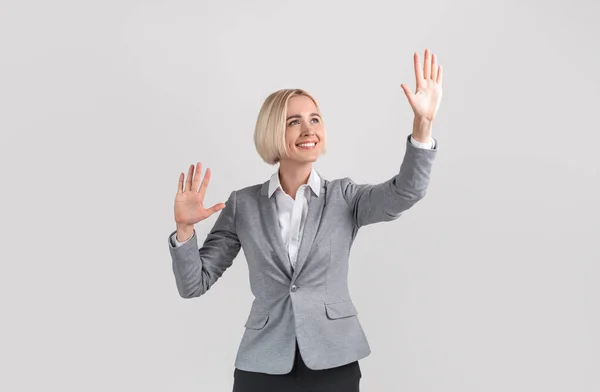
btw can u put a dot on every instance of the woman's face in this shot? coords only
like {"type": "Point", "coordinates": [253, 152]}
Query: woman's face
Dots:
{"type": "Point", "coordinates": [304, 131]}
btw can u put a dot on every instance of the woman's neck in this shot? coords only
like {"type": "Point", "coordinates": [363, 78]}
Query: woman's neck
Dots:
{"type": "Point", "coordinates": [293, 175]}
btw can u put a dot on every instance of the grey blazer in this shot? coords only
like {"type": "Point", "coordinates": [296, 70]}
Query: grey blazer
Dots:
{"type": "Point", "coordinates": [312, 303]}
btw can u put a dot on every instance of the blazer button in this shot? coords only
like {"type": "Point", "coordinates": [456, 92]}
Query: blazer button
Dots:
{"type": "Point", "coordinates": [294, 288]}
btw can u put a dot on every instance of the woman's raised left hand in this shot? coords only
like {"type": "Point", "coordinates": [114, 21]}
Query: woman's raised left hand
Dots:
{"type": "Point", "coordinates": [425, 101]}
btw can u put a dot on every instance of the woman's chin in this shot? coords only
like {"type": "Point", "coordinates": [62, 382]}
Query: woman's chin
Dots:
{"type": "Point", "coordinates": [306, 158]}
{"type": "Point", "coordinates": [302, 160]}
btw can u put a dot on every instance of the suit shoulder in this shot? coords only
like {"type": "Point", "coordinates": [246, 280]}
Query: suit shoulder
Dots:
{"type": "Point", "coordinates": [250, 190]}
{"type": "Point", "coordinates": [340, 183]}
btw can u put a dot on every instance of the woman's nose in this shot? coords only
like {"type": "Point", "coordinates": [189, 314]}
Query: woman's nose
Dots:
{"type": "Point", "coordinates": [307, 131]}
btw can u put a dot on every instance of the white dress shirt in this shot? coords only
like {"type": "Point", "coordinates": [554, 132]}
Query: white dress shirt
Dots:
{"type": "Point", "coordinates": [292, 212]}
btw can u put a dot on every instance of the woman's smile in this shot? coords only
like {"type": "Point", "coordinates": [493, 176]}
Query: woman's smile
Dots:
{"type": "Point", "coordinates": [307, 145]}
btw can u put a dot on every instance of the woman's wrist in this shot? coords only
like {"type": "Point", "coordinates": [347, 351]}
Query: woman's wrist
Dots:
{"type": "Point", "coordinates": [422, 128]}
{"type": "Point", "coordinates": [184, 232]}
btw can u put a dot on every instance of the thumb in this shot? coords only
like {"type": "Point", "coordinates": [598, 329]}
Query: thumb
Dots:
{"type": "Point", "coordinates": [216, 208]}
{"type": "Point", "coordinates": [407, 91]}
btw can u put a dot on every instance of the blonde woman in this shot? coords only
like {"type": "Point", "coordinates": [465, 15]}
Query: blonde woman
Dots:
{"type": "Point", "coordinates": [296, 230]}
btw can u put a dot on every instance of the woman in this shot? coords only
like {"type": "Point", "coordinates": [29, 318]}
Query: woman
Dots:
{"type": "Point", "coordinates": [296, 229]}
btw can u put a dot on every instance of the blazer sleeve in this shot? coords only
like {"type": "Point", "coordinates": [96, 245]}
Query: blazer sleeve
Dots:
{"type": "Point", "coordinates": [197, 269]}
{"type": "Point", "coordinates": [388, 200]}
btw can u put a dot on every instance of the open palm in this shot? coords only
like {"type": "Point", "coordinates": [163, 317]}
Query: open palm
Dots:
{"type": "Point", "coordinates": [189, 201]}
{"type": "Point", "coordinates": [425, 101]}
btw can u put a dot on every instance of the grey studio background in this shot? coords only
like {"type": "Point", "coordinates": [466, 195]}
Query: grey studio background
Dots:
{"type": "Point", "coordinates": [103, 104]}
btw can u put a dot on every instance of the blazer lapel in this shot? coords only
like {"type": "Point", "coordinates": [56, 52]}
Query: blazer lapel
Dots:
{"type": "Point", "coordinates": [313, 220]}
{"type": "Point", "coordinates": [268, 210]}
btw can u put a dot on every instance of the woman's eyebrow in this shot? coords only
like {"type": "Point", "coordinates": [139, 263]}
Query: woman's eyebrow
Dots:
{"type": "Point", "coordinates": [299, 116]}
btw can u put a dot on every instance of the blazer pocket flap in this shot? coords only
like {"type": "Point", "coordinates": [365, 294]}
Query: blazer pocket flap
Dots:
{"type": "Point", "coordinates": [257, 320]}
{"type": "Point", "coordinates": [338, 310]}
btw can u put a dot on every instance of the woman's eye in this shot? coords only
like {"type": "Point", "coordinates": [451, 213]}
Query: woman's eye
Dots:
{"type": "Point", "coordinates": [296, 122]}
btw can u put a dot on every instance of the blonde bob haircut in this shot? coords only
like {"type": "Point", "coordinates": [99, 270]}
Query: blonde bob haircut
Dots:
{"type": "Point", "coordinates": [269, 133]}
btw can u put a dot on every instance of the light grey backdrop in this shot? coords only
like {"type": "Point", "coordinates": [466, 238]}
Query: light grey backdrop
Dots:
{"type": "Point", "coordinates": [103, 104]}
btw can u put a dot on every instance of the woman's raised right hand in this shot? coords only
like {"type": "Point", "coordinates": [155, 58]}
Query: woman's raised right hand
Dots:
{"type": "Point", "coordinates": [189, 201]}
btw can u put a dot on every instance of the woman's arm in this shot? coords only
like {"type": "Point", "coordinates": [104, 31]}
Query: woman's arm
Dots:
{"type": "Point", "coordinates": [388, 200]}
{"type": "Point", "coordinates": [196, 270]}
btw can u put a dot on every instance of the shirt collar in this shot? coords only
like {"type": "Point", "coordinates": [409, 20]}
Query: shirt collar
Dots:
{"type": "Point", "coordinates": [314, 182]}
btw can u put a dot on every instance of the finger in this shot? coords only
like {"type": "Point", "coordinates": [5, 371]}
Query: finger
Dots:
{"type": "Point", "coordinates": [180, 183]}
{"type": "Point", "coordinates": [196, 180]}
{"type": "Point", "coordinates": [205, 182]}
{"type": "Point", "coordinates": [427, 65]}
{"type": "Point", "coordinates": [216, 208]}
{"type": "Point", "coordinates": [409, 94]}
{"type": "Point", "coordinates": [440, 74]}
{"type": "Point", "coordinates": [418, 70]}
{"type": "Point", "coordinates": [407, 90]}
{"type": "Point", "coordinates": [188, 183]}
{"type": "Point", "coordinates": [434, 67]}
